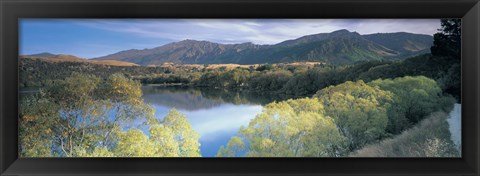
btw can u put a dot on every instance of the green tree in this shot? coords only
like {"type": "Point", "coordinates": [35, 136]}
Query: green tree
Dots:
{"type": "Point", "coordinates": [35, 125]}
{"type": "Point", "coordinates": [359, 110]}
{"type": "Point", "coordinates": [290, 128]}
{"type": "Point", "coordinates": [80, 110]}
{"type": "Point", "coordinates": [183, 133]}
{"type": "Point", "coordinates": [164, 140]}
{"type": "Point", "coordinates": [234, 146]}
{"type": "Point", "coordinates": [134, 143]}
{"type": "Point", "coordinates": [172, 137]}
{"type": "Point", "coordinates": [308, 82]}
{"type": "Point", "coordinates": [265, 67]}
{"type": "Point", "coordinates": [448, 41]}
{"type": "Point", "coordinates": [446, 50]}
{"type": "Point", "coordinates": [238, 78]}
{"type": "Point", "coordinates": [414, 99]}
{"type": "Point", "coordinates": [82, 116]}
{"type": "Point", "coordinates": [269, 81]}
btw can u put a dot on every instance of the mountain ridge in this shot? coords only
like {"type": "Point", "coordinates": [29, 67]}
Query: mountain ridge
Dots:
{"type": "Point", "coordinates": [49, 57]}
{"type": "Point", "coordinates": [337, 47]}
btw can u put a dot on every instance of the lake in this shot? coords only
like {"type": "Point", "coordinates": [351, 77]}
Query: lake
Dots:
{"type": "Point", "coordinates": [216, 115]}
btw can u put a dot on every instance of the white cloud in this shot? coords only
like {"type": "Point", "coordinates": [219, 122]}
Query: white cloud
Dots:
{"type": "Point", "coordinates": [261, 31]}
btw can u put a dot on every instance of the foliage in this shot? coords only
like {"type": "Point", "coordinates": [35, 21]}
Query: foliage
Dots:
{"type": "Point", "coordinates": [76, 114]}
{"type": "Point", "coordinates": [282, 80]}
{"type": "Point", "coordinates": [134, 143]}
{"type": "Point", "coordinates": [171, 137]}
{"type": "Point", "coordinates": [413, 99]}
{"type": "Point", "coordinates": [269, 81]}
{"type": "Point", "coordinates": [359, 110]}
{"type": "Point", "coordinates": [83, 116]}
{"type": "Point", "coordinates": [429, 138]}
{"type": "Point", "coordinates": [448, 41]}
{"type": "Point", "coordinates": [37, 73]}
{"type": "Point", "coordinates": [309, 81]}
{"type": "Point", "coordinates": [234, 146]}
{"type": "Point", "coordinates": [264, 67]}
{"type": "Point", "coordinates": [447, 46]}
{"type": "Point", "coordinates": [183, 133]}
{"type": "Point", "coordinates": [35, 125]}
{"type": "Point", "coordinates": [290, 128]}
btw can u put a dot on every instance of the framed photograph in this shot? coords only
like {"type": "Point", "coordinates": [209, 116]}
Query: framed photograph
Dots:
{"type": "Point", "coordinates": [220, 87]}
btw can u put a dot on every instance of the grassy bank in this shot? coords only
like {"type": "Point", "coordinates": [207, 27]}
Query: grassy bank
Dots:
{"type": "Point", "coordinates": [429, 138]}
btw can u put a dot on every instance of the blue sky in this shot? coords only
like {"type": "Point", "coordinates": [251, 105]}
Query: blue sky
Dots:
{"type": "Point", "coordinates": [89, 38]}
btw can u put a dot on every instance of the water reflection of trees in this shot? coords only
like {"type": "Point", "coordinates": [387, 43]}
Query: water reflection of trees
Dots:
{"type": "Point", "coordinates": [239, 97]}
{"type": "Point", "coordinates": [201, 98]}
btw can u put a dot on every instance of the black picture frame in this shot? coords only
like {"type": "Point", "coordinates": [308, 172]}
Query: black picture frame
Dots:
{"type": "Point", "coordinates": [12, 10]}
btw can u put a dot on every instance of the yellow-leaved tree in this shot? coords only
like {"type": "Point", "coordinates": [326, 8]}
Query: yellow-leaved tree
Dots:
{"type": "Point", "coordinates": [290, 128]}
{"type": "Point", "coordinates": [359, 110]}
{"type": "Point", "coordinates": [84, 116]}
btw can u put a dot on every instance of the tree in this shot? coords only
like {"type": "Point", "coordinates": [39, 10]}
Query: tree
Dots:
{"type": "Point", "coordinates": [82, 116]}
{"type": "Point", "coordinates": [308, 82]}
{"type": "Point", "coordinates": [290, 128]}
{"type": "Point", "coordinates": [164, 140]}
{"type": "Point", "coordinates": [172, 137]}
{"type": "Point", "coordinates": [414, 99]}
{"type": "Point", "coordinates": [82, 112]}
{"type": "Point", "coordinates": [233, 148]}
{"type": "Point", "coordinates": [35, 125]}
{"type": "Point", "coordinates": [447, 50]}
{"type": "Point", "coordinates": [183, 133]}
{"type": "Point", "coordinates": [265, 67]}
{"type": "Point", "coordinates": [448, 41]}
{"type": "Point", "coordinates": [269, 81]}
{"type": "Point", "coordinates": [134, 143]}
{"type": "Point", "coordinates": [359, 110]}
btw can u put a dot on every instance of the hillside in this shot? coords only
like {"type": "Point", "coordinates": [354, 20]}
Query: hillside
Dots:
{"type": "Point", "coordinates": [429, 138]}
{"type": "Point", "coordinates": [69, 58]}
{"type": "Point", "coordinates": [338, 47]}
{"type": "Point", "coordinates": [403, 42]}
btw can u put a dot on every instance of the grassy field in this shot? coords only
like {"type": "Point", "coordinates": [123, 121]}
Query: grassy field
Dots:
{"type": "Point", "coordinates": [234, 66]}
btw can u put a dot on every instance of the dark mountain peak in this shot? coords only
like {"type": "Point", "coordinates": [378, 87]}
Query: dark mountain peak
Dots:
{"type": "Point", "coordinates": [191, 42]}
{"type": "Point", "coordinates": [400, 34]}
{"type": "Point", "coordinates": [129, 50]}
{"type": "Point", "coordinates": [319, 37]}
{"type": "Point", "coordinates": [187, 41]}
{"type": "Point", "coordinates": [246, 44]}
{"type": "Point", "coordinates": [341, 31]}
{"type": "Point", "coordinates": [344, 32]}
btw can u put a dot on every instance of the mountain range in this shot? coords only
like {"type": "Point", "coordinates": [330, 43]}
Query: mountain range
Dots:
{"type": "Point", "coordinates": [338, 47]}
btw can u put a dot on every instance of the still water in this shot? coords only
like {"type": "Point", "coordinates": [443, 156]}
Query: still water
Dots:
{"type": "Point", "coordinates": [216, 115]}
